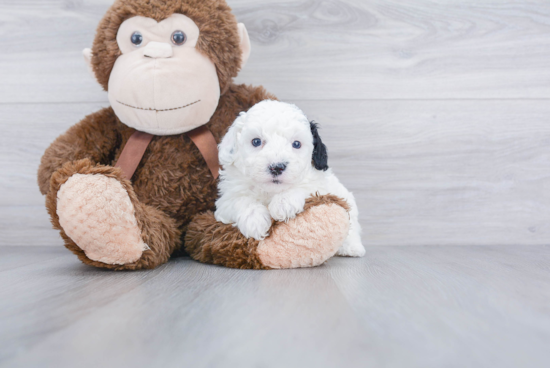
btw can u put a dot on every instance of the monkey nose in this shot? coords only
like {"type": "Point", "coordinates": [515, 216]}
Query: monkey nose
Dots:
{"type": "Point", "coordinates": [157, 50]}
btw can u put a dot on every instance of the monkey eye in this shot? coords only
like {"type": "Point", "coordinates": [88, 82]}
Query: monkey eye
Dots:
{"type": "Point", "coordinates": [136, 39]}
{"type": "Point", "coordinates": [256, 142]}
{"type": "Point", "coordinates": [178, 38]}
{"type": "Point", "coordinates": [296, 144]}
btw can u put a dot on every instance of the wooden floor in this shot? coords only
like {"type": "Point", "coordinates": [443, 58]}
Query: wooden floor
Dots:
{"type": "Point", "coordinates": [398, 307]}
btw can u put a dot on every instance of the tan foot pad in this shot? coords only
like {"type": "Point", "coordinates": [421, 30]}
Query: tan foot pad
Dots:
{"type": "Point", "coordinates": [308, 240]}
{"type": "Point", "coordinates": [96, 213]}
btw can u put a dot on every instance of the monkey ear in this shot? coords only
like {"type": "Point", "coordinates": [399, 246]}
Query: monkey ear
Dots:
{"type": "Point", "coordinates": [320, 155]}
{"type": "Point", "coordinates": [244, 44]}
{"type": "Point", "coordinates": [88, 59]}
{"type": "Point", "coordinates": [228, 147]}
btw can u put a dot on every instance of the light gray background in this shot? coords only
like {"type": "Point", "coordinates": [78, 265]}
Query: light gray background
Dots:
{"type": "Point", "coordinates": [437, 116]}
{"type": "Point", "coordinates": [436, 113]}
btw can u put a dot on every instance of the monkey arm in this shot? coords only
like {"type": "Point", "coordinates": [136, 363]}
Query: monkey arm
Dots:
{"type": "Point", "coordinates": [93, 138]}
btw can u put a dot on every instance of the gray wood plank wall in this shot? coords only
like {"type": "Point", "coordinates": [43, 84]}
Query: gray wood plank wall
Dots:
{"type": "Point", "coordinates": [436, 113]}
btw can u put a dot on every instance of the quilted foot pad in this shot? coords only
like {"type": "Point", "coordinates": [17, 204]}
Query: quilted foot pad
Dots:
{"type": "Point", "coordinates": [95, 211]}
{"type": "Point", "coordinates": [308, 240]}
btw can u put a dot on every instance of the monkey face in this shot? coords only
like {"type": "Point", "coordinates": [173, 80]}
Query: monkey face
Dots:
{"type": "Point", "coordinates": [161, 84]}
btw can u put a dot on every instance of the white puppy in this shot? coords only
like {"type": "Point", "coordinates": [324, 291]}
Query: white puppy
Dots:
{"type": "Point", "coordinates": [273, 160]}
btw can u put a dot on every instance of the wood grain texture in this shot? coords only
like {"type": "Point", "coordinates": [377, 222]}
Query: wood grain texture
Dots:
{"type": "Point", "coordinates": [443, 172]}
{"type": "Point", "coordinates": [423, 172]}
{"type": "Point", "coordinates": [399, 306]}
{"type": "Point", "coordinates": [391, 49]}
{"type": "Point", "coordinates": [435, 113]}
{"type": "Point", "coordinates": [307, 49]}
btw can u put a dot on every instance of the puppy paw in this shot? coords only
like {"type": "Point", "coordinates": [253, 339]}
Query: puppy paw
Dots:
{"type": "Point", "coordinates": [254, 222]}
{"type": "Point", "coordinates": [352, 247]}
{"type": "Point", "coordinates": [286, 206]}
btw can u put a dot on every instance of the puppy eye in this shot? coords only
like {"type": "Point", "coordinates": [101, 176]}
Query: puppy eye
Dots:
{"type": "Point", "coordinates": [256, 142]}
{"type": "Point", "coordinates": [136, 39]}
{"type": "Point", "coordinates": [178, 38]}
{"type": "Point", "coordinates": [296, 144]}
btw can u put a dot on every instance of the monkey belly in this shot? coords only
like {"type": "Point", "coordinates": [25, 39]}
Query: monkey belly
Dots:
{"type": "Point", "coordinates": [174, 178]}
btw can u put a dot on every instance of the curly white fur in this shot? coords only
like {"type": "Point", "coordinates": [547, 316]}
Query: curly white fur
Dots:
{"type": "Point", "coordinates": [251, 194]}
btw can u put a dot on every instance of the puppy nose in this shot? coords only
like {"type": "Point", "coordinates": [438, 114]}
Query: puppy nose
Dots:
{"type": "Point", "coordinates": [277, 169]}
{"type": "Point", "coordinates": [157, 50]}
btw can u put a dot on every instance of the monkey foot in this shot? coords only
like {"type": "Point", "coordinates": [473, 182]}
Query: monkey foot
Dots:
{"type": "Point", "coordinates": [305, 241]}
{"type": "Point", "coordinates": [95, 211]}
{"type": "Point", "coordinates": [308, 240]}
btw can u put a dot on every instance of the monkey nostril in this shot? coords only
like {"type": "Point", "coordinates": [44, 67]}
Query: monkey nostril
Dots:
{"type": "Point", "coordinates": [277, 169]}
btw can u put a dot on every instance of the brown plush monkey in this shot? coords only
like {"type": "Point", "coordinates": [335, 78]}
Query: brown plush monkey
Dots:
{"type": "Point", "coordinates": [129, 184]}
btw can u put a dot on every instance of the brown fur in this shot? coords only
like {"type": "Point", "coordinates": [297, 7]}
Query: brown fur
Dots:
{"type": "Point", "coordinates": [172, 183]}
{"type": "Point", "coordinates": [166, 196]}
{"type": "Point", "coordinates": [209, 241]}
{"type": "Point", "coordinates": [157, 229]}
{"type": "Point", "coordinates": [218, 39]}
{"type": "Point", "coordinates": [318, 200]}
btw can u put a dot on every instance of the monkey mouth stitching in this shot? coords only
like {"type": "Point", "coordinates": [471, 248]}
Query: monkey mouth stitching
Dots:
{"type": "Point", "coordinates": [150, 109]}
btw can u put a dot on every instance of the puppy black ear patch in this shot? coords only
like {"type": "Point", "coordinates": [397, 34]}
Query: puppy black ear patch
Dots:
{"type": "Point", "coordinates": [320, 155]}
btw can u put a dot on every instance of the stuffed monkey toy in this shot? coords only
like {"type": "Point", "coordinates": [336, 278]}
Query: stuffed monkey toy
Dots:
{"type": "Point", "coordinates": [132, 184]}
